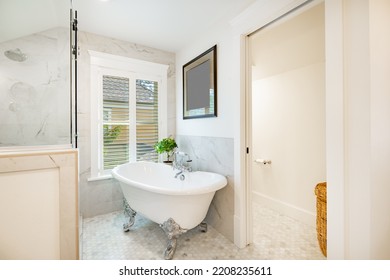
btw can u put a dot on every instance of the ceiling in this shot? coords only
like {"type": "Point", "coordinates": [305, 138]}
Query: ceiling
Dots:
{"type": "Point", "coordinates": [164, 24]}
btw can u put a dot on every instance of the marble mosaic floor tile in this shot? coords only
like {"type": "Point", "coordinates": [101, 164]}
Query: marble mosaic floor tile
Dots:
{"type": "Point", "coordinates": [280, 238]}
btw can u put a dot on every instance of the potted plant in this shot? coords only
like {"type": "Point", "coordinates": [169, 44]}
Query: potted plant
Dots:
{"type": "Point", "coordinates": [166, 145]}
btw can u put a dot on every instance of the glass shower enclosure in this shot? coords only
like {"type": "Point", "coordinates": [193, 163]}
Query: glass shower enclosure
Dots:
{"type": "Point", "coordinates": [37, 91]}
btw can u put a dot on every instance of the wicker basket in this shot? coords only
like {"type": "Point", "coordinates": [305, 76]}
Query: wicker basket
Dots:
{"type": "Point", "coordinates": [320, 191]}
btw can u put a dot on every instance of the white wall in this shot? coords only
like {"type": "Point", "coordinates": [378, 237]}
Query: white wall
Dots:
{"type": "Point", "coordinates": [221, 36]}
{"type": "Point", "coordinates": [358, 129]}
{"type": "Point", "coordinates": [288, 114]}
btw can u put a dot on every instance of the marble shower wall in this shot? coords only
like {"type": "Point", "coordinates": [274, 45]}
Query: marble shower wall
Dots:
{"type": "Point", "coordinates": [35, 93]}
{"type": "Point", "coordinates": [214, 154]}
{"type": "Point", "coordinates": [101, 197]}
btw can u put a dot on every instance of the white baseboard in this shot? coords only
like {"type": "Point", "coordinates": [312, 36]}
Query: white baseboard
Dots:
{"type": "Point", "coordinates": [284, 208]}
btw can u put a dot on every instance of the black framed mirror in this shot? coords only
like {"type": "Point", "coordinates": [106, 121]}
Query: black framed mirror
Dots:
{"type": "Point", "coordinates": [200, 86]}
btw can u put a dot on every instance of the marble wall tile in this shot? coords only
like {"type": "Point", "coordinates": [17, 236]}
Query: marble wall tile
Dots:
{"type": "Point", "coordinates": [214, 154]}
{"type": "Point", "coordinates": [35, 93]}
{"type": "Point", "coordinates": [101, 197]}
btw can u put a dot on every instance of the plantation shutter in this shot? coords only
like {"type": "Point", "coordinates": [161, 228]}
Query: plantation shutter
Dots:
{"type": "Point", "coordinates": [146, 119]}
{"type": "Point", "coordinates": [115, 121]}
{"type": "Point", "coordinates": [117, 141]}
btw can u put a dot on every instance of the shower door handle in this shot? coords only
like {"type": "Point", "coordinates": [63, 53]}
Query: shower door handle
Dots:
{"type": "Point", "coordinates": [262, 161]}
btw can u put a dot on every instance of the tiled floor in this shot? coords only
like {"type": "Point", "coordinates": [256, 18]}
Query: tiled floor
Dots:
{"type": "Point", "coordinates": [275, 237]}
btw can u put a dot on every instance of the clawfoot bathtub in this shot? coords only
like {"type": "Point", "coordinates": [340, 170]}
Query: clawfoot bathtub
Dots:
{"type": "Point", "coordinates": [176, 205]}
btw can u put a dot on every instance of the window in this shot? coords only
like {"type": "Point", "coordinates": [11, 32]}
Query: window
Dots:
{"type": "Point", "coordinates": [128, 111]}
{"type": "Point", "coordinates": [147, 119]}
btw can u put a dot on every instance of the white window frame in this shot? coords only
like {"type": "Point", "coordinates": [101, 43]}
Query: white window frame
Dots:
{"type": "Point", "coordinates": [108, 64]}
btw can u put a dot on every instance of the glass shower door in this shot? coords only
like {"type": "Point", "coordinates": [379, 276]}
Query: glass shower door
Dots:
{"type": "Point", "coordinates": [35, 73]}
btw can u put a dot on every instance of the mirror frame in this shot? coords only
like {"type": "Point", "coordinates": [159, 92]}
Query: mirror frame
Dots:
{"type": "Point", "coordinates": [191, 90]}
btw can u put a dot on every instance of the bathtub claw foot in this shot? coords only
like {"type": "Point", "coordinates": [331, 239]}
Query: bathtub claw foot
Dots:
{"type": "Point", "coordinates": [203, 227]}
{"type": "Point", "coordinates": [171, 248]}
{"type": "Point", "coordinates": [173, 231]}
{"type": "Point", "coordinates": [129, 212]}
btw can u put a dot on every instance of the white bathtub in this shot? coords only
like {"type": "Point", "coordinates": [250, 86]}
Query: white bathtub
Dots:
{"type": "Point", "coordinates": [152, 190]}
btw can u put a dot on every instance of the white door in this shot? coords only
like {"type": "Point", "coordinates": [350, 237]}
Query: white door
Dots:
{"type": "Point", "coordinates": [288, 114]}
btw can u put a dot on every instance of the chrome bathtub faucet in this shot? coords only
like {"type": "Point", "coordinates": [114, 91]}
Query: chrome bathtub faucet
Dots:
{"type": "Point", "coordinates": [181, 165]}
{"type": "Point", "coordinates": [182, 176]}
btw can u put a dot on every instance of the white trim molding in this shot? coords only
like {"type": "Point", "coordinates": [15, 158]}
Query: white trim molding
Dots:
{"type": "Point", "coordinates": [103, 63]}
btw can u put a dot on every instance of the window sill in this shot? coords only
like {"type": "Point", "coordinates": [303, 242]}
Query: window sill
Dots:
{"type": "Point", "coordinates": [99, 178]}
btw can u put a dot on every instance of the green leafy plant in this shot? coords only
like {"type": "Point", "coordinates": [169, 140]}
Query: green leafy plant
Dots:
{"type": "Point", "coordinates": [166, 145]}
{"type": "Point", "coordinates": [111, 133]}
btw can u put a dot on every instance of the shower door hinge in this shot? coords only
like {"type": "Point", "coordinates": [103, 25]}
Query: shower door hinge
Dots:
{"type": "Point", "coordinates": [75, 52]}
{"type": "Point", "coordinates": [74, 23]}
{"type": "Point", "coordinates": [75, 47]}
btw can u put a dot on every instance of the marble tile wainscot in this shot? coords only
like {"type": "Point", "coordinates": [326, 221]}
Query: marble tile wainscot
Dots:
{"type": "Point", "coordinates": [214, 154]}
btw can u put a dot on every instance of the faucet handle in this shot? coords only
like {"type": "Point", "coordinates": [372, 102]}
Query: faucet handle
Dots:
{"type": "Point", "coordinates": [180, 163]}
{"type": "Point", "coordinates": [183, 154]}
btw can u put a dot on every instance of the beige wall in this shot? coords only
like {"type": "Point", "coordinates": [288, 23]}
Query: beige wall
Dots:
{"type": "Point", "coordinates": [290, 43]}
{"type": "Point", "coordinates": [380, 128]}
{"type": "Point", "coordinates": [367, 128]}
{"type": "Point", "coordinates": [29, 202]}
{"type": "Point", "coordinates": [39, 205]}
{"type": "Point", "coordinates": [288, 113]}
